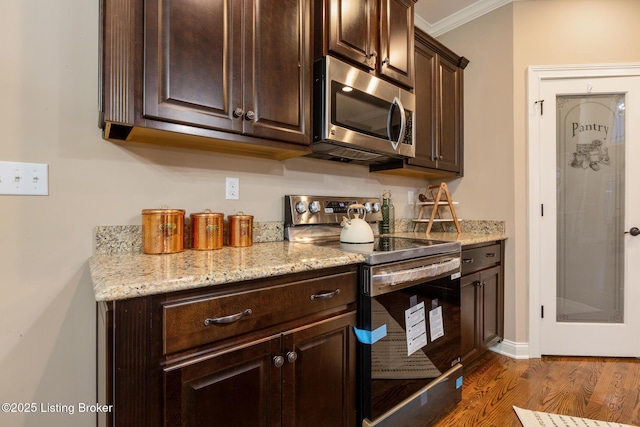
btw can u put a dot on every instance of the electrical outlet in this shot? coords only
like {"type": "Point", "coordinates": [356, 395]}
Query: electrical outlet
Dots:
{"type": "Point", "coordinates": [233, 189]}
{"type": "Point", "coordinates": [410, 198]}
{"type": "Point", "coordinates": [24, 179]}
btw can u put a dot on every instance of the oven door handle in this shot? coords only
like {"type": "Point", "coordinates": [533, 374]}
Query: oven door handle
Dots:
{"type": "Point", "coordinates": [420, 273]}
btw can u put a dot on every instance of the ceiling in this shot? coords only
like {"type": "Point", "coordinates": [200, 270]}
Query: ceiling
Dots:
{"type": "Point", "coordinates": [436, 17]}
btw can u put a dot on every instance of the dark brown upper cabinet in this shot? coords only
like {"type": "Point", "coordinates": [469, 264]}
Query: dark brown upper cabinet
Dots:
{"type": "Point", "coordinates": [438, 124]}
{"type": "Point", "coordinates": [226, 75]}
{"type": "Point", "coordinates": [374, 34]}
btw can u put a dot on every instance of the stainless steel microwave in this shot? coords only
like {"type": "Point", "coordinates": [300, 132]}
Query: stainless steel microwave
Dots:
{"type": "Point", "coordinates": [359, 118]}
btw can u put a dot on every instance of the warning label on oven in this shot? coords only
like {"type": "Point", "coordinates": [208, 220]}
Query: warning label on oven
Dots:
{"type": "Point", "coordinates": [436, 327]}
{"type": "Point", "coordinates": [416, 328]}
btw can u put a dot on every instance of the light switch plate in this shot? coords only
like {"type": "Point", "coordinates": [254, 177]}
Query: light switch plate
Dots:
{"type": "Point", "coordinates": [24, 179]}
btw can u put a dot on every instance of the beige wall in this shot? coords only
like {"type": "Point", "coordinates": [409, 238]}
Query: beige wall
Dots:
{"type": "Point", "coordinates": [486, 192]}
{"type": "Point", "coordinates": [501, 45]}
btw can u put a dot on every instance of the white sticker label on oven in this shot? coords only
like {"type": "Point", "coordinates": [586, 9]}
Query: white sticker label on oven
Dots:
{"type": "Point", "coordinates": [416, 328]}
{"type": "Point", "coordinates": [436, 327]}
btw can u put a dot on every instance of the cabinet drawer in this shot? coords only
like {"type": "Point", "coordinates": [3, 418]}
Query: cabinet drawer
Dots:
{"type": "Point", "coordinates": [480, 258]}
{"type": "Point", "coordinates": [201, 320]}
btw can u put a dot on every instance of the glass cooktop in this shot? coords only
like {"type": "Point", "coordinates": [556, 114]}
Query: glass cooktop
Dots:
{"type": "Point", "coordinates": [388, 249]}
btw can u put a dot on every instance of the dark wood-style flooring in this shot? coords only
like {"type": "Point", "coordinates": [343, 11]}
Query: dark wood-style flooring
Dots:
{"type": "Point", "coordinates": [606, 389]}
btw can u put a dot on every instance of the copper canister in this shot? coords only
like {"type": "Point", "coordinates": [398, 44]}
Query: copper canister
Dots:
{"type": "Point", "coordinates": [162, 231]}
{"type": "Point", "coordinates": [240, 229]}
{"type": "Point", "coordinates": [207, 230]}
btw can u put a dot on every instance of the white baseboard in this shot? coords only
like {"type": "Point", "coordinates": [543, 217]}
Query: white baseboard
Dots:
{"type": "Point", "coordinates": [515, 350]}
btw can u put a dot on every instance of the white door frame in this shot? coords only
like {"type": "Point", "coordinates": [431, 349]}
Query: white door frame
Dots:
{"type": "Point", "coordinates": [536, 75]}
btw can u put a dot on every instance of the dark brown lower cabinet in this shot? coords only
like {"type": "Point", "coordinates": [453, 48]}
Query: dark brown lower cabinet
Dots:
{"type": "Point", "coordinates": [481, 299]}
{"type": "Point", "coordinates": [296, 367]}
{"type": "Point", "coordinates": [299, 378]}
{"type": "Point", "coordinates": [319, 387]}
{"type": "Point", "coordinates": [238, 387]}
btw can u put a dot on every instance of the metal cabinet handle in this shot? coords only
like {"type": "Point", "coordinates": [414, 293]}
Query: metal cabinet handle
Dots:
{"type": "Point", "coordinates": [278, 361]}
{"type": "Point", "coordinates": [228, 319]}
{"type": "Point", "coordinates": [292, 356]}
{"type": "Point", "coordinates": [250, 115]}
{"type": "Point", "coordinates": [385, 61]}
{"type": "Point", "coordinates": [373, 54]}
{"type": "Point", "coordinates": [467, 260]}
{"type": "Point", "coordinates": [634, 231]}
{"type": "Point", "coordinates": [326, 295]}
{"type": "Point", "coordinates": [441, 157]}
{"type": "Point", "coordinates": [491, 255]}
{"type": "Point", "coordinates": [238, 112]}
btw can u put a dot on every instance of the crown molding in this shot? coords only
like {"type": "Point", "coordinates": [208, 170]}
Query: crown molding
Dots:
{"type": "Point", "coordinates": [459, 18]}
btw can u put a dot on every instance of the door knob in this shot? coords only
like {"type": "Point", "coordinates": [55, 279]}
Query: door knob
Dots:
{"type": "Point", "coordinates": [634, 231]}
{"type": "Point", "coordinates": [238, 112]}
{"type": "Point", "coordinates": [292, 356]}
{"type": "Point", "coordinates": [250, 115]}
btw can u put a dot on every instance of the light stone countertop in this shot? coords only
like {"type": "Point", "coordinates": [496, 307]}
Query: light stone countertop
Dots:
{"type": "Point", "coordinates": [120, 271]}
{"type": "Point", "coordinates": [465, 239]}
{"type": "Point", "coordinates": [124, 276]}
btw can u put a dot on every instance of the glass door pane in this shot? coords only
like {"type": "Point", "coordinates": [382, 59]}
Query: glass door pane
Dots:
{"type": "Point", "coordinates": [590, 208]}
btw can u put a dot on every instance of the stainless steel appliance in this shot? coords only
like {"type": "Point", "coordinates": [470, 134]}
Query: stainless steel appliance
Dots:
{"type": "Point", "coordinates": [408, 375]}
{"type": "Point", "coordinates": [359, 118]}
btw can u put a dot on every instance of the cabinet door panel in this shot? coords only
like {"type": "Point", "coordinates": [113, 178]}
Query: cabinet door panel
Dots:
{"type": "Point", "coordinates": [237, 388]}
{"type": "Point", "coordinates": [319, 387]}
{"type": "Point", "coordinates": [425, 94]}
{"type": "Point", "coordinates": [469, 317]}
{"type": "Point", "coordinates": [490, 327]}
{"type": "Point", "coordinates": [192, 62]}
{"type": "Point", "coordinates": [277, 85]}
{"type": "Point", "coordinates": [352, 30]}
{"type": "Point", "coordinates": [451, 120]}
{"type": "Point", "coordinates": [396, 41]}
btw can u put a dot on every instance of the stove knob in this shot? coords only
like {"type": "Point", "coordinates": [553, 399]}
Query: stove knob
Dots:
{"type": "Point", "coordinates": [301, 207]}
{"type": "Point", "coordinates": [376, 207]}
{"type": "Point", "coordinates": [314, 207]}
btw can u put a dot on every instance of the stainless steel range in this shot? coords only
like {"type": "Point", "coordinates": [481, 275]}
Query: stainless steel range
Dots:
{"type": "Point", "coordinates": [409, 313]}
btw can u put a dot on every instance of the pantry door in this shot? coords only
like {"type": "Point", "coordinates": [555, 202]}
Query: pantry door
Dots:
{"type": "Point", "coordinates": [588, 215]}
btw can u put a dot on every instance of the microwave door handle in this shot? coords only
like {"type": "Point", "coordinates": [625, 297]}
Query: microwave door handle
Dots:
{"type": "Point", "coordinates": [395, 143]}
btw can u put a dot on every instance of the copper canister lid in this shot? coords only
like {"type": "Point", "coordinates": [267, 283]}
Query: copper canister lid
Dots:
{"type": "Point", "coordinates": [162, 211]}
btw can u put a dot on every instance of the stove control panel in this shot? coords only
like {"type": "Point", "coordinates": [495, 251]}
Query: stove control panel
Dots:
{"type": "Point", "coordinates": [303, 210]}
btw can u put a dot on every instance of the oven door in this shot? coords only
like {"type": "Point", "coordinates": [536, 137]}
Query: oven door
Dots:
{"type": "Point", "coordinates": [398, 388]}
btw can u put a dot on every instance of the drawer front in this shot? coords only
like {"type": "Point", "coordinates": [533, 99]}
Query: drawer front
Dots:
{"type": "Point", "coordinates": [477, 259]}
{"type": "Point", "coordinates": [197, 321]}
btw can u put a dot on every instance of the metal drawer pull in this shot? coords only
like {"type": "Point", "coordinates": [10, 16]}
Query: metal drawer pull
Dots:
{"type": "Point", "coordinates": [467, 260]}
{"type": "Point", "coordinates": [228, 319]}
{"type": "Point", "coordinates": [325, 295]}
{"type": "Point", "coordinates": [292, 356]}
{"type": "Point", "coordinates": [491, 255]}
